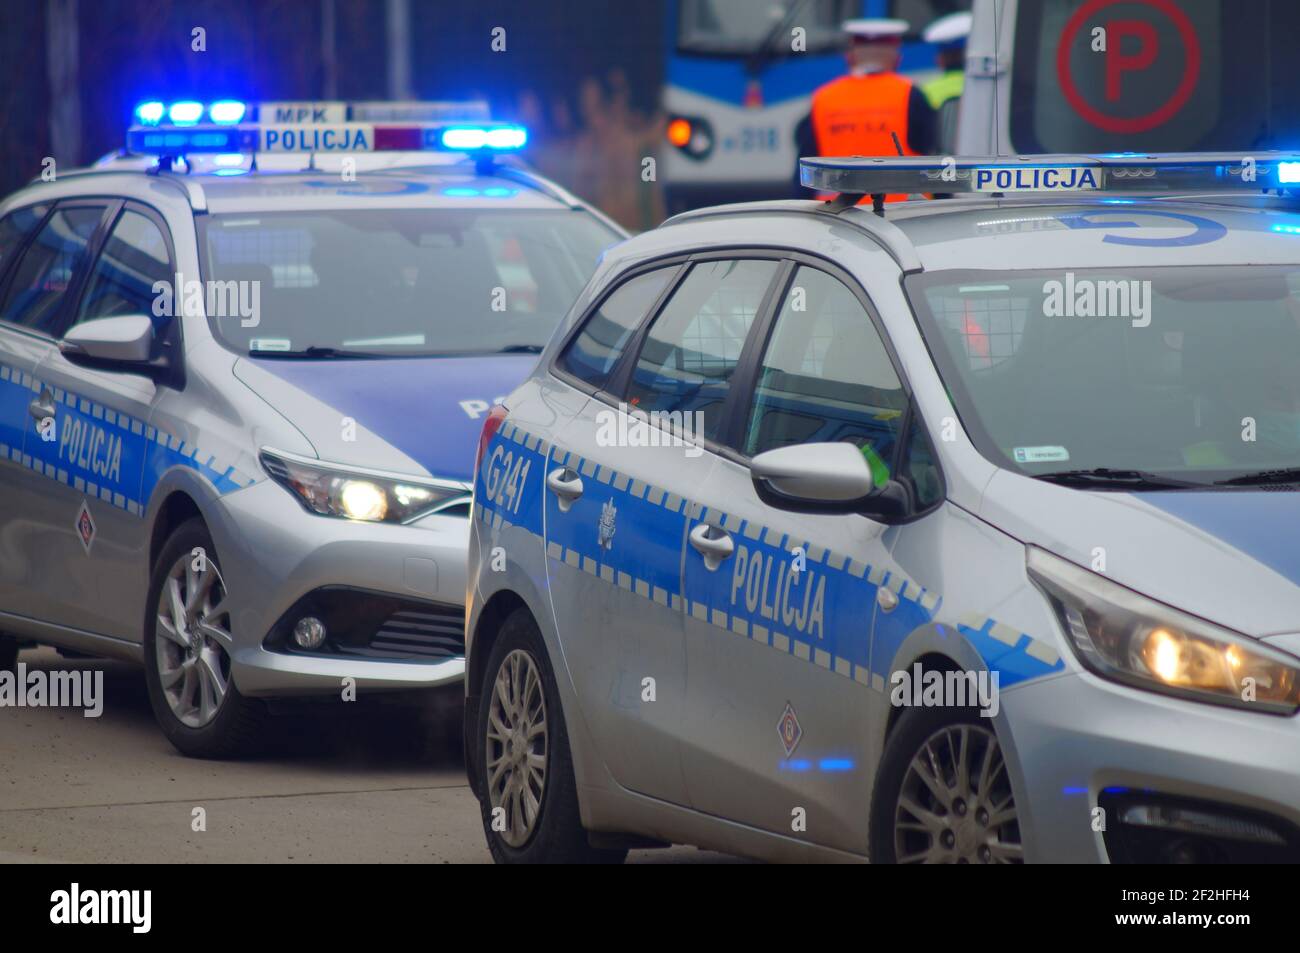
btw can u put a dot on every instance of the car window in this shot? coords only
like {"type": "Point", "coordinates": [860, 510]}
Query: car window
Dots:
{"type": "Point", "coordinates": [594, 351]}
{"type": "Point", "coordinates": [14, 228]}
{"type": "Point", "coordinates": [826, 376]}
{"type": "Point", "coordinates": [48, 266]}
{"type": "Point", "coordinates": [691, 351]}
{"type": "Point", "coordinates": [739, 27]}
{"type": "Point", "coordinates": [134, 258]}
{"type": "Point", "coordinates": [1187, 372]}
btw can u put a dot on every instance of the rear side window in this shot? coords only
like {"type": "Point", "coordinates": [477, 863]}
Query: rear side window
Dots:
{"type": "Point", "coordinates": [690, 354]}
{"type": "Point", "coordinates": [826, 376]}
{"type": "Point", "coordinates": [48, 266]}
{"type": "Point", "coordinates": [592, 354]}
{"type": "Point", "coordinates": [134, 258]}
{"type": "Point", "coordinates": [14, 228]}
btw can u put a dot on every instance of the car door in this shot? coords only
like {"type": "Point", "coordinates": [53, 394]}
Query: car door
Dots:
{"type": "Point", "coordinates": [618, 477]}
{"type": "Point", "coordinates": [94, 541]}
{"type": "Point", "coordinates": [43, 252]}
{"type": "Point", "coordinates": [781, 691]}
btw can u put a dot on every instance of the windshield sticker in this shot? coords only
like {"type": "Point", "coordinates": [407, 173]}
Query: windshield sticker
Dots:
{"type": "Point", "coordinates": [1041, 454]}
{"type": "Point", "coordinates": [269, 344]}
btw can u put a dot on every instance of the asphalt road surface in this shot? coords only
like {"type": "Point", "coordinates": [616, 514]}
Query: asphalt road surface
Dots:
{"type": "Point", "coordinates": [359, 783]}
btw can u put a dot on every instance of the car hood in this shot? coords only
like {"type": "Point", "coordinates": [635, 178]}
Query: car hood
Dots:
{"type": "Point", "coordinates": [1227, 556]}
{"type": "Point", "coordinates": [412, 415]}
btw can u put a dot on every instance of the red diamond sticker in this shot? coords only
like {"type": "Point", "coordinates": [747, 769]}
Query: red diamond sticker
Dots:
{"type": "Point", "coordinates": [85, 526]}
{"type": "Point", "coordinates": [789, 730]}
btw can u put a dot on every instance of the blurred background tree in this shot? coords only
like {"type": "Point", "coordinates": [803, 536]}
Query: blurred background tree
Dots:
{"type": "Point", "coordinates": [584, 74]}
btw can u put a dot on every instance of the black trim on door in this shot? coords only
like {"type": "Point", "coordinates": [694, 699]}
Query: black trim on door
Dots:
{"type": "Point", "coordinates": [109, 208]}
{"type": "Point", "coordinates": [23, 245]}
{"type": "Point", "coordinates": [745, 379]}
{"type": "Point", "coordinates": [172, 342]}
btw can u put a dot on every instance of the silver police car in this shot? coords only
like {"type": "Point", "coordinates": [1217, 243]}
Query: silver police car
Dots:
{"type": "Point", "coordinates": [240, 385]}
{"type": "Point", "coordinates": [944, 531]}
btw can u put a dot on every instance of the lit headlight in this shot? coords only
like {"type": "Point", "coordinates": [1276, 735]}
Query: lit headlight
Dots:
{"type": "Point", "coordinates": [1123, 636]}
{"type": "Point", "coordinates": [373, 497]}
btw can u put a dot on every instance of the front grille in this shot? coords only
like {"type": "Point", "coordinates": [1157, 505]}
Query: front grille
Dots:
{"type": "Point", "coordinates": [373, 625]}
{"type": "Point", "coordinates": [419, 635]}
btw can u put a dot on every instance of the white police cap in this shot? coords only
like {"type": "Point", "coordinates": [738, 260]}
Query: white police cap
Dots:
{"type": "Point", "coordinates": [953, 28]}
{"type": "Point", "coordinates": [875, 29]}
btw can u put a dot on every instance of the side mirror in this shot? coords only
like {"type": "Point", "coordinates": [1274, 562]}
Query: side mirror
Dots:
{"type": "Point", "coordinates": [825, 478]}
{"type": "Point", "coordinates": [816, 472]}
{"type": "Point", "coordinates": [107, 342]}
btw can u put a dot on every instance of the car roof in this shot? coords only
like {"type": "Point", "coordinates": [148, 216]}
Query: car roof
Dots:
{"type": "Point", "coordinates": [281, 191]}
{"type": "Point", "coordinates": [416, 182]}
{"type": "Point", "coordinates": [1031, 232]}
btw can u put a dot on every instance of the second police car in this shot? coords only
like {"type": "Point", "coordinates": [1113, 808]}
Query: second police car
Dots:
{"type": "Point", "coordinates": [954, 534]}
{"type": "Point", "coordinates": [242, 366]}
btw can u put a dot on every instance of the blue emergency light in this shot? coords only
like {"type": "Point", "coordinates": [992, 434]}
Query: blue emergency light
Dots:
{"type": "Point", "coordinates": [231, 126]}
{"type": "Point", "coordinates": [1002, 175]}
{"type": "Point", "coordinates": [474, 138]}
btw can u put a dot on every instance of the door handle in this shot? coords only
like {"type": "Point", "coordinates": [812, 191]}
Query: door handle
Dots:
{"type": "Point", "coordinates": [566, 485]}
{"type": "Point", "coordinates": [713, 543]}
{"type": "Point", "coordinates": [887, 599]}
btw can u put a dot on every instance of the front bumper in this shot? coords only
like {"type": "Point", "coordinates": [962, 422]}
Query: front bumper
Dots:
{"type": "Point", "coordinates": [1082, 744]}
{"type": "Point", "coordinates": [258, 672]}
{"type": "Point", "coordinates": [273, 553]}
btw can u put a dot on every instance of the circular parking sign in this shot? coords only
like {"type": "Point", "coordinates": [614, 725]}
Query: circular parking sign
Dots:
{"type": "Point", "coordinates": [1146, 121]}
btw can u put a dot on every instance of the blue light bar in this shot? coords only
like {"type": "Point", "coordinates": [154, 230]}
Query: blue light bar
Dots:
{"type": "Point", "coordinates": [186, 113]}
{"type": "Point", "coordinates": [150, 113]}
{"type": "Point", "coordinates": [227, 112]}
{"type": "Point", "coordinates": [178, 142]}
{"type": "Point", "coordinates": [478, 138]}
{"type": "Point", "coordinates": [1123, 172]}
{"type": "Point", "coordinates": [229, 125]}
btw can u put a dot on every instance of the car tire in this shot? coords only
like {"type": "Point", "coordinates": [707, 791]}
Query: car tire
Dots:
{"type": "Point", "coordinates": [8, 653]}
{"type": "Point", "coordinates": [197, 719]}
{"type": "Point", "coordinates": [554, 833]}
{"type": "Point", "coordinates": [974, 821]}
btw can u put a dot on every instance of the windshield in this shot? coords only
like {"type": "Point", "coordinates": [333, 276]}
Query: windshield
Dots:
{"type": "Point", "coordinates": [741, 26]}
{"type": "Point", "coordinates": [403, 282]}
{"type": "Point", "coordinates": [1172, 77]}
{"type": "Point", "coordinates": [1191, 373]}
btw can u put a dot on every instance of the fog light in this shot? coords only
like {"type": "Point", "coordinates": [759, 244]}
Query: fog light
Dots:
{"type": "Point", "coordinates": [309, 633]}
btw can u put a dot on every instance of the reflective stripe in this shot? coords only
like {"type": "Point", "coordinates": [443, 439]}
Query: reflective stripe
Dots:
{"type": "Point", "coordinates": [848, 647]}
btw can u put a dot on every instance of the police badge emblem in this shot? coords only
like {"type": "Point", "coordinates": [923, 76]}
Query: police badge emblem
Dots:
{"type": "Point", "coordinates": [605, 528]}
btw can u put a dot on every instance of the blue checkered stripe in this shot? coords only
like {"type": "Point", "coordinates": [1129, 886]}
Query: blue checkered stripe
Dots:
{"type": "Point", "coordinates": [1015, 656]}
{"type": "Point", "coordinates": [850, 588]}
{"type": "Point", "coordinates": [146, 452]}
{"type": "Point", "coordinates": [528, 514]}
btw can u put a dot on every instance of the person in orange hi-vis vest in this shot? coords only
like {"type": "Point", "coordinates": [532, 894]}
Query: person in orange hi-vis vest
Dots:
{"type": "Point", "coordinates": [860, 113]}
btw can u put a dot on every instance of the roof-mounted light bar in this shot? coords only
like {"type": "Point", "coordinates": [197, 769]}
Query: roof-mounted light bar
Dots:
{"type": "Point", "coordinates": [1126, 172]}
{"type": "Point", "coordinates": [231, 126]}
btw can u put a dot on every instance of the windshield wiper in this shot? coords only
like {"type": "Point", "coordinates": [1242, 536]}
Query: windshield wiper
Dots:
{"type": "Point", "coordinates": [1263, 478]}
{"type": "Point", "coordinates": [521, 349]}
{"type": "Point", "coordinates": [766, 51]}
{"type": "Point", "coordinates": [1100, 477]}
{"type": "Point", "coordinates": [314, 353]}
